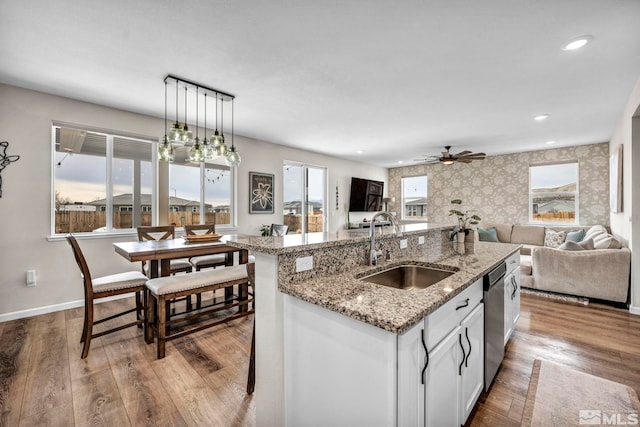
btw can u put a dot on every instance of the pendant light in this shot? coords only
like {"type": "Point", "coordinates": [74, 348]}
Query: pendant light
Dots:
{"type": "Point", "coordinates": [179, 134]}
{"type": "Point", "coordinates": [195, 153]}
{"type": "Point", "coordinates": [175, 134]}
{"type": "Point", "coordinates": [207, 149]}
{"type": "Point", "coordinates": [165, 149]}
{"type": "Point", "coordinates": [232, 158]}
{"type": "Point", "coordinates": [187, 135]}
{"type": "Point", "coordinates": [221, 147]}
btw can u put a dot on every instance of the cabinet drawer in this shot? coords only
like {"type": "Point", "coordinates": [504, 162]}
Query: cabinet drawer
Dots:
{"type": "Point", "coordinates": [439, 323]}
{"type": "Point", "coordinates": [513, 262]}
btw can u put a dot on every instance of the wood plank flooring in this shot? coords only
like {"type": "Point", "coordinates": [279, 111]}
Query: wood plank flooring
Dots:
{"type": "Point", "coordinates": [202, 380]}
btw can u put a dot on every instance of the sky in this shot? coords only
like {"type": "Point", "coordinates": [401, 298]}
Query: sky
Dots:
{"type": "Point", "coordinates": [552, 176]}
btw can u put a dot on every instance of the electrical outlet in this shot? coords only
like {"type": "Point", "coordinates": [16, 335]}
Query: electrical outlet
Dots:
{"type": "Point", "coordinates": [403, 244]}
{"type": "Point", "coordinates": [421, 240]}
{"type": "Point", "coordinates": [304, 263]}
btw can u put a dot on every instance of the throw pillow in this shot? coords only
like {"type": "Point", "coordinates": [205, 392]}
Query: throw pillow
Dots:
{"type": "Point", "coordinates": [594, 231]}
{"type": "Point", "coordinates": [606, 241]}
{"type": "Point", "coordinates": [575, 236]}
{"type": "Point", "coordinates": [570, 245]}
{"type": "Point", "coordinates": [553, 239]}
{"type": "Point", "coordinates": [490, 235]}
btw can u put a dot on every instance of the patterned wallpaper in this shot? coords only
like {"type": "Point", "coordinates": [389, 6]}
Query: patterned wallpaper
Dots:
{"type": "Point", "coordinates": [498, 187]}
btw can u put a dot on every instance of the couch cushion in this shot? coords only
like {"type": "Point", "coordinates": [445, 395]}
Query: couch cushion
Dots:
{"type": "Point", "coordinates": [553, 239]}
{"type": "Point", "coordinates": [605, 241]}
{"type": "Point", "coordinates": [504, 231]}
{"type": "Point", "coordinates": [490, 235]}
{"type": "Point", "coordinates": [575, 236]}
{"type": "Point", "coordinates": [527, 234]}
{"type": "Point", "coordinates": [596, 229]}
{"type": "Point", "coordinates": [570, 245]}
{"type": "Point", "coordinates": [526, 249]}
{"type": "Point", "coordinates": [525, 265]}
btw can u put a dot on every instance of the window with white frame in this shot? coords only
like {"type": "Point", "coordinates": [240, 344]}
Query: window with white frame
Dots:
{"type": "Point", "coordinates": [553, 193]}
{"type": "Point", "coordinates": [414, 198]}
{"type": "Point", "coordinates": [102, 181]}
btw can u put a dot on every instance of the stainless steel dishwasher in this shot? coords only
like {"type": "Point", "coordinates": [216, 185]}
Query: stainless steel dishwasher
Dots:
{"type": "Point", "coordinates": [493, 322]}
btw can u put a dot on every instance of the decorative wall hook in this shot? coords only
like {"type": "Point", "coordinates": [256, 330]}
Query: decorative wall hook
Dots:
{"type": "Point", "coordinates": [5, 160]}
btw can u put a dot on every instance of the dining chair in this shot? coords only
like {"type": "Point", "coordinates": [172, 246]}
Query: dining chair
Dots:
{"type": "Point", "coordinates": [107, 286]}
{"type": "Point", "coordinates": [279, 229]}
{"type": "Point", "coordinates": [163, 232]}
{"type": "Point", "coordinates": [207, 261]}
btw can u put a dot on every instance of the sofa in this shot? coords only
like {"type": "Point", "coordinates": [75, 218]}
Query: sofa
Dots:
{"type": "Point", "coordinates": [574, 260]}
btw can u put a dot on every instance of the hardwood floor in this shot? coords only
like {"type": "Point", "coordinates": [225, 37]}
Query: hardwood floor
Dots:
{"type": "Point", "coordinates": [202, 380]}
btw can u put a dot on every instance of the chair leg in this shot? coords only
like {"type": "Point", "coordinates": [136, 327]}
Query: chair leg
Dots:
{"type": "Point", "coordinates": [251, 379]}
{"type": "Point", "coordinates": [83, 337]}
{"type": "Point", "coordinates": [87, 330]}
{"type": "Point", "coordinates": [161, 321]}
{"type": "Point", "coordinates": [139, 313]}
{"type": "Point", "coordinates": [150, 316]}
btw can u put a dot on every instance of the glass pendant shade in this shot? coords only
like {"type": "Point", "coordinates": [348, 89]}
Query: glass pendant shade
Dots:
{"type": "Point", "coordinates": [165, 150]}
{"type": "Point", "coordinates": [233, 157]}
{"type": "Point", "coordinates": [222, 149]}
{"type": "Point", "coordinates": [195, 153]}
{"type": "Point", "coordinates": [207, 150]}
{"type": "Point", "coordinates": [175, 134]}
{"type": "Point", "coordinates": [187, 135]}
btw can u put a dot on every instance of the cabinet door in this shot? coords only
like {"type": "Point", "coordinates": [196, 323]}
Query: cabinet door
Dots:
{"type": "Point", "coordinates": [472, 378]}
{"type": "Point", "coordinates": [515, 301]}
{"type": "Point", "coordinates": [508, 319]}
{"type": "Point", "coordinates": [411, 362]}
{"type": "Point", "coordinates": [442, 382]}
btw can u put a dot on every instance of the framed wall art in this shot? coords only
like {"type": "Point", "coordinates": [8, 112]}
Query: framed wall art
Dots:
{"type": "Point", "coordinates": [260, 193]}
{"type": "Point", "coordinates": [615, 179]}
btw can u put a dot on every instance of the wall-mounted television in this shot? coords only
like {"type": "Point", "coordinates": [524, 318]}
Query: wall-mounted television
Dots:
{"type": "Point", "coordinates": [366, 195]}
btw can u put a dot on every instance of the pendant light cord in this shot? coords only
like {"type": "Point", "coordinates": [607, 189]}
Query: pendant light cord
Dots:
{"type": "Point", "coordinates": [165, 110]}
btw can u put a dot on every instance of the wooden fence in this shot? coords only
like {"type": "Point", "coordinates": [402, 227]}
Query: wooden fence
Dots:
{"type": "Point", "coordinates": [315, 223]}
{"type": "Point", "coordinates": [555, 217]}
{"type": "Point", "coordinates": [82, 221]}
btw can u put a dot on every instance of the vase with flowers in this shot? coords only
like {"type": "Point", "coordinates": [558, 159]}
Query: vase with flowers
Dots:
{"type": "Point", "coordinates": [465, 220]}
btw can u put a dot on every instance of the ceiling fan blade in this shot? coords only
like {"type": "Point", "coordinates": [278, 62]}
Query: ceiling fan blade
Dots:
{"type": "Point", "coordinates": [464, 160]}
{"type": "Point", "coordinates": [463, 153]}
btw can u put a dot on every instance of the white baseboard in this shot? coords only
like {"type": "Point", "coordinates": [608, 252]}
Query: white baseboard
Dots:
{"type": "Point", "coordinates": [634, 310]}
{"type": "Point", "coordinates": [52, 308]}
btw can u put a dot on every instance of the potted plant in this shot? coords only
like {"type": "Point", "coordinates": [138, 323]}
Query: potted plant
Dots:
{"type": "Point", "coordinates": [265, 230]}
{"type": "Point", "coordinates": [465, 220]}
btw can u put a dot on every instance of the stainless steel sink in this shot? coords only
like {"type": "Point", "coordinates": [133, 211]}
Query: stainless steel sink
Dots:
{"type": "Point", "coordinates": [408, 277]}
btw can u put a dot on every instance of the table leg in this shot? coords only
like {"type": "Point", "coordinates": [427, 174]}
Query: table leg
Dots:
{"type": "Point", "coordinates": [153, 269]}
{"type": "Point", "coordinates": [165, 267]}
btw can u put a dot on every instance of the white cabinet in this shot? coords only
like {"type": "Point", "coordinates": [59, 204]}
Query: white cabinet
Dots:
{"type": "Point", "coordinates": [339, 371]}
{"type": "Point", "coordinates": [441, 363]}
{"type": "Point", "coordinates": [511, 295]}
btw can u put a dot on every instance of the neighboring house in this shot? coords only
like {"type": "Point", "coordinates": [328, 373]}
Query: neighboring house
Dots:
{"type": "Point", "coordinates": [124, 203]}
{"type": "Point", "coordinates": [415, 207]}
{"type": "Point", "coordinates": [294, 207]}
{"type": "Point", "coordinates": [77, 207]}
{"type": "Point", "coordinates": [556, 205]}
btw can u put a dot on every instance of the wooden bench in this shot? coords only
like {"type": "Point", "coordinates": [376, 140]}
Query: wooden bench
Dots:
{"type": "Point", "coordinates": [162, 290]}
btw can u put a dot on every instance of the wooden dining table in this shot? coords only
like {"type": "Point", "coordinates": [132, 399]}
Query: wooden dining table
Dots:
{"type": "Point", "coordinates": [159, 253]}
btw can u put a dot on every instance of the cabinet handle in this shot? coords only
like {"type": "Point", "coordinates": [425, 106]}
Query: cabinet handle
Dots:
{"type": "Point", "coordinates": [426, 363]}
{"type": "Point", "coordinates": [515, 286]}
{"type": "Point", "coordinates": [463, 355]}
{"type": "Point", "coordinates": [466, 304]}
{"type": "Point", "coordinates": [466, 359]}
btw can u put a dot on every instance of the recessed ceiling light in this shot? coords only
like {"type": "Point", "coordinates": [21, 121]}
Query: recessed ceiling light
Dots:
{"type": "Point", "coordinates": [360, 151]}
{"type": "Point", "coordinates": [400, 161]}
{"type": "Point", "coordinates": [541, 117]}
{"type": "Point", "coordinates": [577, 43]}
{"type": "Point", "coordinates": [550, 142]}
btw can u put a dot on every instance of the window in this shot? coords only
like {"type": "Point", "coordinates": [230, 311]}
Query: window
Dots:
{"type": "Point", "coordinates": [414, 198]}
{"type": "Point", "coordinates": [102, 181]}
{"type": "Point", "coordinates": [304, 189]}
{"type": "Point", "coordinates": [185, 201]}
{"type": "Point", "coordinates": [553, 193]}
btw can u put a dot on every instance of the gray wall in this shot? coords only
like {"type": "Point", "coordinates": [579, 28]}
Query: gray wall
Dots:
{"type": "Point", "coordinates": [498, 187]}
{"type": "Point", "coordinates": [25, 206]}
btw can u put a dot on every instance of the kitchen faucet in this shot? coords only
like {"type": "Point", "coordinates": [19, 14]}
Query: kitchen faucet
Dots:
{"type": "Point", "coordinates": [373, 254]}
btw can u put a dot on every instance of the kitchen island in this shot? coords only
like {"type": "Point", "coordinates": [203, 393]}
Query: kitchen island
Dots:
{"type": "Point", "coordinates": [308, 286]}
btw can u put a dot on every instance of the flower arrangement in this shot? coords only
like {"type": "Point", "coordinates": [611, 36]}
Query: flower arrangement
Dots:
{"type": "Point", "coordinates": [265, 230]}
{"type": "Point", "coordinates": [465, 219]}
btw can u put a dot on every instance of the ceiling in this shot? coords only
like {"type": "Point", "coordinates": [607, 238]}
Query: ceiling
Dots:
{"type": "Point", "coordinates": [395, 79]}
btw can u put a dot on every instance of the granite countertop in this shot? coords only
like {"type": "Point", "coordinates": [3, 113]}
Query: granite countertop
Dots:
{"type": "Point", "coordinates": [292, 243]}
{"type": "Point", "coordinates": [397, 310]}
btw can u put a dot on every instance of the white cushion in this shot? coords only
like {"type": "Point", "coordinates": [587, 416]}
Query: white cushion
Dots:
{"type": "Point", "coordinates": [176, 264]}
{"type": "Point", "coordinates": [199, 279]}
{"type": "Point", "coordinates": [605, 241]}
{"type": "Point", "coordinates": [113, 282]}
{"type": "Point", "coordinates": [208, 259]}
{"type": "Point", "coordinates": [593, 231]}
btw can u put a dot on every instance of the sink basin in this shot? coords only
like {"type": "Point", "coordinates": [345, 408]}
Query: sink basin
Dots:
{"type": "Point", "coordinates": [408, 277]}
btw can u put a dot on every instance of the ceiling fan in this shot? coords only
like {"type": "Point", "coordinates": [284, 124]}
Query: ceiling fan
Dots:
{"type": "Point", "coordinates": [448, 159]}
